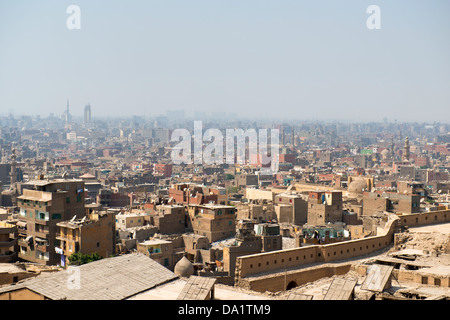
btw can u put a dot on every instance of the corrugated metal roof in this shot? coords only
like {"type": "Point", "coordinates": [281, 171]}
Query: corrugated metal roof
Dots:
{"type": "Point", "coordinates": [197, 288]}
{"type": "Point", "coordinates": [107, 279]}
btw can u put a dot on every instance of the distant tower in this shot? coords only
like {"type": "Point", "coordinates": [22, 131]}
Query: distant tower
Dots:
{"type": "Point", "coordinates": [67, 113]}
{"type": "Point", "coordinates": [13, 173]}
{"type": "Point", "coordinates": [406, 153]}
{"type": "Point", "coordinates": [292, 136]}
{"type": "Point", "coordinates": [392, 148]}
{"type": "Point", "coordinates": [87, 113]}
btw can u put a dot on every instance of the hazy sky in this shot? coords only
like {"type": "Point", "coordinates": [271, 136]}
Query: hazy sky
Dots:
{"type": "Point", "coordinates": [303, 59]}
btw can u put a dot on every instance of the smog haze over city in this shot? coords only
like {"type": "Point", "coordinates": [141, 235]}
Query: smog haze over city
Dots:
{"type": "Point", "coordinates": [306, 60]}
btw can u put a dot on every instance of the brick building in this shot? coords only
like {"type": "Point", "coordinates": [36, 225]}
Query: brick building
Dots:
{"type": "Point", "coordinates": [291, 208]}
{"type": "Point", "coordinates": [42, 205]}
{"type": "Point", "coordinates": [324, 207]}
{"type": "Point", "coordinates": [374, 203]}
{"type": "Point", "coordinates": [216, 222]}
{"type": "Point", "coordinates": [92, 234]}
{"type": "Point", "coordinates": [169, 219]}
{"type": "Point", "coordinates": [163, 169]}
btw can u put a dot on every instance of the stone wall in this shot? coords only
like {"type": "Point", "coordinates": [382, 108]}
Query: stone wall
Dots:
{"type": "Point", "coordinates": [284, 280]}
{"type": "Point", "coordinates": [277, 261]}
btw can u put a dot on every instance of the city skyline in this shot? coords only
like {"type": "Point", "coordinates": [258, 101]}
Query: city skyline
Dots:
{"type": "Point", "coordinates": [293, 59]}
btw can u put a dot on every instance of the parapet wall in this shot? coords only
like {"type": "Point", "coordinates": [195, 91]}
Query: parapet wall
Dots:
{"type": "Point", "coordinates": [282, 281]}
{"type": "Point", "coordinates": [278, 261]}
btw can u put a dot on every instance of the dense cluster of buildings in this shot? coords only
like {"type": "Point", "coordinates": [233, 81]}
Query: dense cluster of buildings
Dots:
{"type": "Point", "coordinates": [110, 188]}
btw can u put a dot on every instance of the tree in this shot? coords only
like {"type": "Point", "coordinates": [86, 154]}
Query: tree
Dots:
{"type": "Point", "coordinates": [78, 258]}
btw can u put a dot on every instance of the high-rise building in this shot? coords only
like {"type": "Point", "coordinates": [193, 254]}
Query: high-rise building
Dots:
{"type": "Point", "coordinates": [87, 113]}
{"type": "Point", "coordinates": [67, 116]}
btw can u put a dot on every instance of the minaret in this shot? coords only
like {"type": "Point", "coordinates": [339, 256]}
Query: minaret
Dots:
{"type": "Point", "coordinates": [406, 153]}
{"type": "Point", "coordinates": [292, 136]}
{"type": "Point", "coordinates": [13, 173]}
{"type": "Point", "coordinates": [392, 148]}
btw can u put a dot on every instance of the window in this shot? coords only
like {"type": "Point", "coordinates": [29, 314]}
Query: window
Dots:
{"type": "Point", "coordinates": [98, 244]}
{"type": "Point", "coordinates": [67, 199]}
{"type": "Point", "coordinates": [56, 216]}
{"type": "Point", "coordinates": [78, 199]}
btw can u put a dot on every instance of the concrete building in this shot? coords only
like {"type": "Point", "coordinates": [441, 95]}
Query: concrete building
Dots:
{"type": "Point", "coordinates": [291, 208]}
{"type": "Point", "coordinates": [271, 238]}
{"type": "Point", "coordinates": [111, 199]}
{"type": "Point", "coordinates": [244, 180]}
{"type": "Point", "coordinates": [163, 169]}
{"type": "Point", "coordinates": [87, 113]}
{"type": "Point", "coordinates": [159, 250]}
{"type": "Point", "coordinates": [130, 220]}
{"type": "Point", "coordinates": [411, 187]}
{"type": "Point", "coordinates": [8, 243]}
{"type": "Point", "coordinates": [42, 205]}
{"type": "Point", "coordinates": [169, 219]}
{"type": "Point", "coordinates": [185, 193]}
{"type": "Point", "coordinates": [96, 234]}
{"type": "Point", "coordinates": [324, 207]}
{"type": "Point", "coordinates": [213, 221]}
{"type": "Point", "coordinates": [375, 203]}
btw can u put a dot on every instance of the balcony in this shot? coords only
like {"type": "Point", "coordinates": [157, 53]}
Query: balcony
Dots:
{"type": "Point", "coordinates": [42, 247]}
{"type": "Point", "coordinates": [41, 233]}
{"type": "Point", "coordinates": [25, 242]}
{"type": "Point", "coordinates": [7, 244]}
{"type": "Point", "coordinates": [8, 257]}
{"type": "Point", "coordinates": [8, 229]}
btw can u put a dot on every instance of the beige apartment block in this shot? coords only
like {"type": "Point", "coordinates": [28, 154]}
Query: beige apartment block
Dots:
{"type": "Point", "coordinates": [42, 205]}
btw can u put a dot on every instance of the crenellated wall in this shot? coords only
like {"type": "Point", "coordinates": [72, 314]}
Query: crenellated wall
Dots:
{"type": "Point", "coordinates": [278, 261]}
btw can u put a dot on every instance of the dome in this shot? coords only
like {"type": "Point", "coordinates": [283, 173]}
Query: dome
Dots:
{"type": "Point", "coordinates": [385, 153]}
{"type": "Point", "coordinates": [357, 186]}
{"type": "Point", "coordinates": [184, 268]}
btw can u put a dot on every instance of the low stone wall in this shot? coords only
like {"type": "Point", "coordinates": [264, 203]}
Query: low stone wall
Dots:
{"type": "Point", "coordinates": [277, 261]}
{"type": "Point", "coordinates": [291, 279]}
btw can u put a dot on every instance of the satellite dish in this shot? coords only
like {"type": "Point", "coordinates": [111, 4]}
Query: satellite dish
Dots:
{"type": "Point", "coordinates": [439, 191]}
{"type": "Point", "coordinates": [73, 218]}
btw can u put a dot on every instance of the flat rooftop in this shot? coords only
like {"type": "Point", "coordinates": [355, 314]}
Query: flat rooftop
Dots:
{"type": "Point", "coordinates": [47, 182]}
